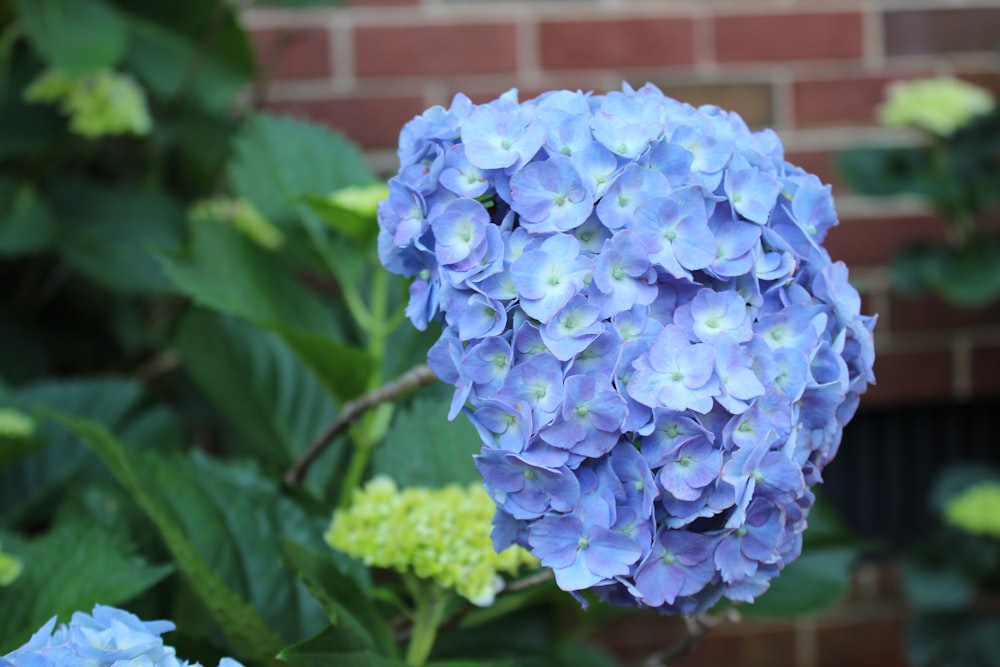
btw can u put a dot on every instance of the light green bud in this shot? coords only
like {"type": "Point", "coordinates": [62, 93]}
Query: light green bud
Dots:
{"type": "Point", "coordinates": [16, 425]}
{"type": "Point", "coordinates": [241, 214]}
{"type": "Point", "coordinates": [438, 534]}
{"type": "Point", "coordinates": [940, 106]}
{"type": "Point", "coordinates": [361, 199]}
{"type": "Point", "coordinates": [100, 103]}
{"type": "Point", "coordinates": [976, 510]}
{"type": "Point", "coordinates": [10, 568]}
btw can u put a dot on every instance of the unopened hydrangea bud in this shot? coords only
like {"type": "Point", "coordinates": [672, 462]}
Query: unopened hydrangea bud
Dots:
{"type": "Point", "coordinates": [101, 103]}
{"type": "Point", "coordinates": [361, 199]}
{"type": "Point", "coordinates": [16, 425]}
{"type": "Point", "coordinates": [976, 510]}
{"type": "Point", "coordinates": [439, 534]}
{"type": "Point", "coordinates": [241, 214]}
{"type": "Point", "coordinates": [940, 106]}
{"type": "Point", "coordinates": [10, 568]}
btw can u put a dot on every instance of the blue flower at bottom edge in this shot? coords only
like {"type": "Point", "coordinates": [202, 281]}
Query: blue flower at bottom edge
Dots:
{"type": "Point", "coordinates": [106, 636]}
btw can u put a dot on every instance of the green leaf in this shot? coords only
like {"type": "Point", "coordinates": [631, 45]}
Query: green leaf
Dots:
{"type": "Point", "coordinates": [423, 448]}
{"type": "Point", "coordinates": [28, 482]}
{"type": "Point", "coordinates": [205, 65]}
{"type": "Point", "coordinates": [265, 393]}
{"type": "Point", "coordinates": [110, 234]}
{"type": "Point", "coordinates": [77, 36]}
{"type": "Point", "coordinates": [347, 605]}
{"type": "Point", "coordinates": [223, 270]}
{"type": "Point", "coordinates": [70, 568]}
{"type": "Point", "coordinates": [27, 224]}
{"type": "Point", "coordinates": [239, 621]}
{"type": "Point", "coordinates": [279, 161]}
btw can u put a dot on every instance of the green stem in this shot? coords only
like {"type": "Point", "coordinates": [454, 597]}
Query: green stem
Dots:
{"type": "Point", "coordinates": [431, 602]}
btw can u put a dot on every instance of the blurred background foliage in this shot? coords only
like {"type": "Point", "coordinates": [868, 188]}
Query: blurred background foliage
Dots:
{"type": "Point", "coordinates": [191, 296]}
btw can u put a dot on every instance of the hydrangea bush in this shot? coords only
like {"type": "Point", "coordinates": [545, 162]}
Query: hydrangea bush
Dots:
{"type": "Point", "coordinates": [107, 636]}
{"type": "Point", "coordinates": [641, 322]}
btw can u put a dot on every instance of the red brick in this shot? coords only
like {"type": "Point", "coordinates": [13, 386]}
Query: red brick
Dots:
{"type": "Point", "coordinates": [595, 44]}
{"type": "Point", "coordinates": [847, 101]}
{"type": "Point", "coordinates": [986, 371]}
{"type": "Point", "coordinates": [865, 642]}
{"type": "Point", "coordinates": [910, 377]}
{"type": "Point", "coordinates": [787, 37]}
{"type": "Point", "coordinates": [419, 50]}
{"type": "Point", "coordinates": [371, 121]}
{"type": "Point", "coordinates": [875, 240]}
{"type": "Point", "coordinates": [941, 31]}
{"type": "Point", "coordinates": [931, 312]}
{"type": "Point", "coordinates": [293, 53]}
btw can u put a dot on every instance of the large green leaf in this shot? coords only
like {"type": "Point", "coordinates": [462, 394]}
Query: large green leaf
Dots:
{"type": "Point", "coordinates": [238, 619]}
{"type": "Point", "coordinates": [423, 448]}
{"type": "Point", "coordinates": [967, 275]}
{"type": "Point", "coordinates": [279, 162]}
{"type": "Point", "coordinates": [69, 568]}
{"type": "Point", "coordinates": [110, 234]}
{"type": "Point", "coordinates": [265, 393]}
{"type": "Point", "coordinates": [223, 270]}
{"type": "Point", "coordinates": [77, 36]}
{"type": "Point", "coordinates": [31, 480]}
{"type": "Point", "coordinates": [349, 607]}
{"type": "Point", "coordinates": [237, 518]}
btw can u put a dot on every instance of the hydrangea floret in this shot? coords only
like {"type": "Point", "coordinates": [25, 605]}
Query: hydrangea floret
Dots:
{"type": "Point", "coordinates": [106, 636]}
{"type": "Point", "coordinates": [641, 321]}
{"type": "Point", "coordinates": [976, 510]}
{"type": "Point", "coordinates": [939, 106]}
{"type": "Point", "coordinates": [437, 534]}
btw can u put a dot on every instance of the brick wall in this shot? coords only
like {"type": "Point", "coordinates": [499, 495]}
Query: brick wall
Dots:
{"type": "Point", "coordinates": [812, 69]}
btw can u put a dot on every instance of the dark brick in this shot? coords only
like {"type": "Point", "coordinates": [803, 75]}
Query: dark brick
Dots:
{"type": "Point", "coordinates": [923, 376]}
{"type": "Point", "coordinates": [875, 240]}
{"type": "Point", "coordinates": [941, 31]}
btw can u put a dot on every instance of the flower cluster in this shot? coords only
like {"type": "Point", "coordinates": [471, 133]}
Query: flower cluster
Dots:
{"type": "Point", "coordinates": [107, 636]}
{"type": "Point", "coordinates": [439, 534]}
{"type": "Point", "coordinates": [940, 106]}
{"type": "Point", "coordinates": [102, 103]}
{"type": "Point", "coordinates": [640, 320]}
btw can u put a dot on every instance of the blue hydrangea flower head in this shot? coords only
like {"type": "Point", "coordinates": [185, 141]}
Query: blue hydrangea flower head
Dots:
{"type": "Point", "coordinates": [640, 319]}
{"type": "Point", "coordinates": [106, 636]}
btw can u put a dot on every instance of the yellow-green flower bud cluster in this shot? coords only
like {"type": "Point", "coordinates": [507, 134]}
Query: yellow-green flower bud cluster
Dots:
{"type": "Point", "coordinates": [97, 104]}
{"type": "Point", "coordinates": [976, 510]}
{"type": "Point", "coordinates": [361, 199]}
{"type": "Point", "coordinates": [440, 534]}
{"type": "Point", "coordinates": [16, 425]}
{"type": "Point", "coordinates": [939, 106]}
{"type": "Point", "coordinates": [10, 568]}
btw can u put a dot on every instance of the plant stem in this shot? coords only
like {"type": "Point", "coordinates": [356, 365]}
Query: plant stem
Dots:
{"type": "Point", "coordinates": [431, 602]}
